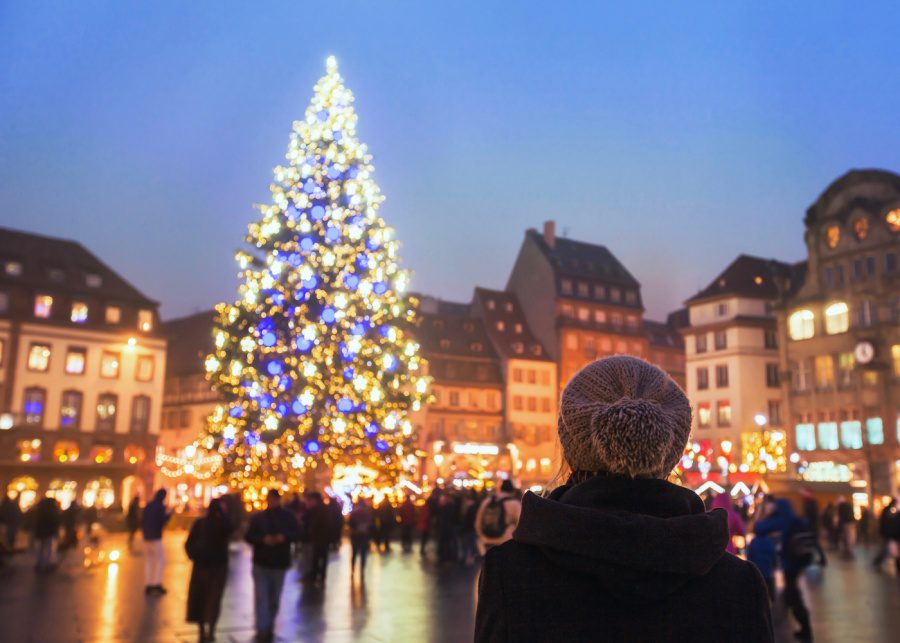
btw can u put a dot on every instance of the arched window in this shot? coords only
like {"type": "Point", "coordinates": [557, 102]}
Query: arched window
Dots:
{"type": "Point", "coordinates": [106, 411]}
{"type": "Point", "coordinates": [837, 318]}
{"type": "Point", "coordinates": [802, 324]}
{"type": "Point", "coordinates": [65, 451]}
{"type": "Point", "coordinates": [70, 410]}
{"type": "Point", "coordinates": [134, 454]}
{"type": "Point", "coordinates": [34, 405]}
{"type": "Point", "coordinates": [140, 414]}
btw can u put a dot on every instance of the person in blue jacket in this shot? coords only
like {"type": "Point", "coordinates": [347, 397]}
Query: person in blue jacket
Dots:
{"type": "Point", "coordinates": [797, 545]}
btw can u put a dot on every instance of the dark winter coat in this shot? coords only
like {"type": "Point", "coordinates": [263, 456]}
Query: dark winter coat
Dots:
{"type": "Point", "coordinates": [155, 517]}
{"type": "Point", "coordinates": [207, 542]}
{"type": "Point", "coordinates": [616, 559]}
{"type": "Point", "coordinates": [269, 523]}
{"type": "Point", "coordinates": [47, 519]}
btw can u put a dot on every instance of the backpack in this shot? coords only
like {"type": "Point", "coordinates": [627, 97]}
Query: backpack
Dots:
{"type": "Point", "coordinates": [803, 547]}
{"type": "Point", "coordinates": [493, 518]}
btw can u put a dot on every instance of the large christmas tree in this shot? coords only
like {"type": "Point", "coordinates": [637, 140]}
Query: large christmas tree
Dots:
{"type": "Point", "coordinates": [316, 361]}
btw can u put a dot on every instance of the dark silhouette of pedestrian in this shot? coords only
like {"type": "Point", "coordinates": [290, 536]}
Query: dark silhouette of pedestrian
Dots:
{"type": "Point", "coordinates": [319, 523]}
{"type": "Point", "coordinates": [336, 521]}
{"type": "Point", "coordinates": [361, 525]}
{"type": "Point", "coordinates": [428, 519]}
{"type": "Point", "coordinates": [153, 520]}
{"type": "Point", "coordinates": [618, 553]}
{"type": "Point", "coordinates": [47, 519]}
{"type": "Point", "coordinates": [70, 522]}
{"type": "Point", "coordinates": [468, 536]}
{"type": "Point", "coordinates": [207, 547]}
{"type": "Point", "coordinates": [271, 533]}
{"type": "Point", "coordinates": [133, 518]}
{"type": "Point", "coordinates": [888, 525]}
{"type": "Point", "coordinates": [11, 516]}
{"type": "Point", "coordinates": [385, 520]}
{"type": "Point", "coordinates": [407, 516]}
{"type": "Point", "coordinates": [447, 526]}
{"type": "Point", "coordinates": [846, 525]}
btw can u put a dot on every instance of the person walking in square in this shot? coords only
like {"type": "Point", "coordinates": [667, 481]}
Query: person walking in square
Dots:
{"type": "Point", "coordinates": [497, 516]}
{"type": "Point", "coordinates": [618, 553]}
{"type": "Point", "coordinates": [270, 533]}
{"type": "Point", "coordinates": [320, 532]}
{"type": "Point", "coordinates": [133, 518]}
{"type": "Point", "coordinates": [407, 516]}
{"type": "Point", "coordinates": [361, 524]}
{"type": "Point", "coordinates": [11, 517]}
{"type": "Point", "coordinates": [207, 547]}
{"type": "Point", "coordinates": [47, 520]}
{"type": "Point", "coordinates": [153, 521]}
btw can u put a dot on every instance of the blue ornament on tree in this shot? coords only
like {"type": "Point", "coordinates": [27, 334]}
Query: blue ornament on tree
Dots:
{"type": "Point", "coordinates": [317, 213]}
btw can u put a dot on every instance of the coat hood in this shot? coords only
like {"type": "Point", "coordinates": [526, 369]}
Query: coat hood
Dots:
{"type": "Point", "coordinates": [640, 539]}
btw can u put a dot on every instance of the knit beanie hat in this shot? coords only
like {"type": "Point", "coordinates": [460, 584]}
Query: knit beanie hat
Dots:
{"type": "Point", "coordinates": [623, 415]}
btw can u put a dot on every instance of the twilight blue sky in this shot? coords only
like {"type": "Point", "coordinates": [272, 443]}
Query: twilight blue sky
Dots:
{"type": "Point", "coordinates": [677, 134]}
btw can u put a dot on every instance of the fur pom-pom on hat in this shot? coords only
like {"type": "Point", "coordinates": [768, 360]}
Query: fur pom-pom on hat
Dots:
{"type": "Point", "coordinates": [623, 415]}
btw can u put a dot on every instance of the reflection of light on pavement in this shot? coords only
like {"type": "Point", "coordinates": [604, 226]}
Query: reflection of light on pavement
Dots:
{"type": "Point", "coordinates": [108, 604]}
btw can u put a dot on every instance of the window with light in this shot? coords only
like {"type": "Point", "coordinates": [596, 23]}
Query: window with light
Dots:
{"type": "Point", "coordinates": [109, 365]}
{"type": "Point", "coordinates": [33, 405]}
{"type": "Point", "coordinates": [851, 434]}
{"type": "Point", "coordinates": [70, 410]}
{"type": "Point", "coordinates": [29, 450]}
{"type": "Point", "coordinates": [145, 320]}
{"type": "Point", "coordinates": [79, 312]}
{"type": "Point", "coordinates": [895, 357]}
{"type": "Point", "coordinates": [101, 454]}
{"type": "Point", "coordinates": [39, 357]}
{"type": "Point", "coordinates": [65, 451]}
{"type": "Point", "coordinates": [113, 315]}
{"type": "Point", "coordinates": [875, 431]}
{"type": "Point", "coordinates": [837, 318]}
{"type": "Point", "coordinates": [805, 437]}
{"type": "Point", "coordinates": [801, 325]}
{"type": "Point", "coordinates": [828, 436]}
{"type": "Point", "coordinates": [106, 412]}
{"type": "Point", "coordinates": [75, 361]}
{"type": "Point", "coordinates": [704, 414]}
{"type": "Point", "coordinates": [134, 454]}
{"type": "Point", "coordinates": [43, 306]}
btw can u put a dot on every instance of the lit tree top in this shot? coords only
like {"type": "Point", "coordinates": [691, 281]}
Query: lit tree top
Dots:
{"type": "Point", "coordinates": [316, 360]}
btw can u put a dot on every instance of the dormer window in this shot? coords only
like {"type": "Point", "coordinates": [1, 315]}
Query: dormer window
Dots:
{"type": "Point", "coordinates": [56, 274]}
{"type": "Point", "coordinates": [861, 228]}
{"type": "Point", "coordinates": [476, 347]}
{"type": "Point", "coordinates": [518, 348]}
{"type": "Point", "coordinates": [79, 312]}
{"type": "Point", "coordinates": [438, 323]}
{"type": "Point", "coordinates": [145, 320]}
{"type": "Point", "coordinates": [490, 304]}
{"type": "Point", "coordinates": [113, 315]}
{"type": "Point", "coordinates": [93, 280]}
{"type": "Point", "coordinates": [518, 329]}
{"type": "Point", "coordinates": [469, 327]}
{"type": "Point", "coordinates": [501, 326]}
{"type": "Point", "coordinates": [584, 290]}
{"type": "Point", "coordinates": [43, 306]}
{"type": "Point", "coordinates": [13, 268]}
{"type": "Point", "coordinates": [566, 286]}
{"type": "Point", "coordinates": [536, 349]}
{"type": "Point", "coordinates": [509, 307]}
{"type": "Point", "coordinates": [615, 294]}
{"type": "Point", "coordinates": [445, 344]}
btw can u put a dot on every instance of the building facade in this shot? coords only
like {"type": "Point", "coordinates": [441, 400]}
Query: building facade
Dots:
{"type": "Point", "coordinates": [82, 361]}
{"type": "Point", "coordinates": [580, 302]}
{"type": "Point", "coordinates": [462, 431]}
{"type": "Point", "coordinates": [733, 366]}
{"type": "Point", "coordinates": [841, 331]}
{"type": "Point", "coordinates": [188, 401]}
{"type": "Point", "coordinates": [530, 389]}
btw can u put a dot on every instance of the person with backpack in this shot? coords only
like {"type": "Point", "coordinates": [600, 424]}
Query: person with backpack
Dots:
{"type": "Point", "coordinates": [153, 520]}
{"type": "Point", "coordinates": [497, 516]}
{"type": "Point", "coordinates": [207, 547]}
{"type": "Point", "coordinates": [799, 548]}
{"type": "Point", "coordinates": [618, 553]}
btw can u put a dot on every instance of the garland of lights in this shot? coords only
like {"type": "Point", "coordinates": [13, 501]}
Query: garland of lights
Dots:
{"type": "Point", "coordinates": [194, 462]}
{"type": "Point", "coordinates": [316, 362]}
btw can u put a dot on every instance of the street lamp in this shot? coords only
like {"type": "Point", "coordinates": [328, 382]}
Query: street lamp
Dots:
{"type": "Point", "coordinates": [761, 420]}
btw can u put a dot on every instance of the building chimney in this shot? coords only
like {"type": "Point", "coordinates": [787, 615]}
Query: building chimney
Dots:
{"type": "Point", "coordinates": [550, 233]}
